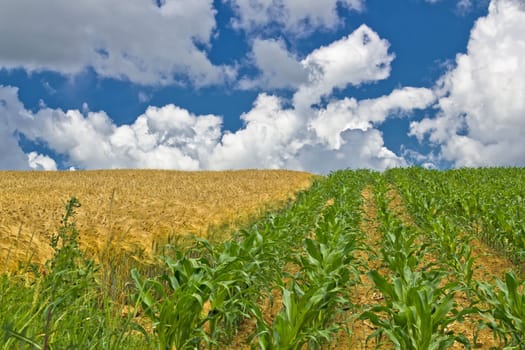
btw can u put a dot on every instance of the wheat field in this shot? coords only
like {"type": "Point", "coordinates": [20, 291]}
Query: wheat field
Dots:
{"type": "Point", "coordinates": [135, 210]}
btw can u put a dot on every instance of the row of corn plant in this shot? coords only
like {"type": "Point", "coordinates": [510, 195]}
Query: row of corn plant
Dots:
{"type": "Point", "coordinates": [488, 202]}
{"type": "Point", "coordinates": [456, 210]}
{"type": "Point", "coordinates": [418, 297]}
{"type": "Point", "coordinates": [315, 299]}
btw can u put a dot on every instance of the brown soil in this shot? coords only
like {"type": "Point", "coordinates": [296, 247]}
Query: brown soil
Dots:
{"type": "Point", "coordinates": [270, 307]}
{"type": "Point", "coordinates": [363, 294]}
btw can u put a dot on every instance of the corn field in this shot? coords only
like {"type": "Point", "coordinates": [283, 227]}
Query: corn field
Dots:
{"type": "Point", "coordinates": [405, 259]}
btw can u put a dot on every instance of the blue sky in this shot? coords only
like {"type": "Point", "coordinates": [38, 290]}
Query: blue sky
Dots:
{"type": "Point", "coordinates": [312, 85]}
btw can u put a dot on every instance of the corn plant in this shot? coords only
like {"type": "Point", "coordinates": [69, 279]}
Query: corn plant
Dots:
{"type": "Point", "coordinates": [453, 250]}
{"type": "Point", "coordinates": [400, 249]}
{"type": "Point", "coordinates": [301, 322]}
{"type": "Point", "coordinates": [487, 202]}
{"type": "Point", "coordinates": [240, 274]}
{"type": "Point", "coordinates": [416, 312]}
{"type": "Point", "coordinates": [505, 314]}
{"type": "Point", "coordinates": [418, 304]}
{"type": "Point", "coordinates": [319, 293]}
{"type": "Point", "coordinates": [175, 302]}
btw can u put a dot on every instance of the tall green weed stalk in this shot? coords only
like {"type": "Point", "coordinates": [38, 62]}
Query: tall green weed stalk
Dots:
{"type": "Point", "coordinates": [62, 306]}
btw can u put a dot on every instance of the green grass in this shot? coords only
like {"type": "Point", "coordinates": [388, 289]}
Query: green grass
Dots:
{"type": "Point", "coordinates": [61, 305]}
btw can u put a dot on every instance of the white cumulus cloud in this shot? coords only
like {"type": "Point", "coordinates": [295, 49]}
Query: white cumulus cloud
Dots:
{"type": "Point", "coordinates": [132, 40]}
{"type": "Point", "coordinates": [481, 120]}
{"type": "Point", "coordinates": [350, 114]}
{"type": "Point", "coordinates": [271, 137]}
{"type": "Point", "coordinates": [11, 155]}
{"type": "Point", "coordinates": [274, 136]}
{"type": "Point", "coordinates": [163, 138]}
{"type": "Point", "coordinates": [294, 16]}
{"type": "Point", "coordinates": [41, 162]}
{"type": "Point", "coordinates": [464, 5]}
{"type": "Point", "coordinates": [359, 149]}
{"type": "Point", "coordinates": [358, 58]}
{"type": "Point", "coordinates": [278, 67]}
{"type": "Point", "coordinates": [296, 133]}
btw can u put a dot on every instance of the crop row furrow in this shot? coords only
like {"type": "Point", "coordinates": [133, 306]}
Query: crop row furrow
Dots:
{"type": "Point", "coordinates": [456, 208]}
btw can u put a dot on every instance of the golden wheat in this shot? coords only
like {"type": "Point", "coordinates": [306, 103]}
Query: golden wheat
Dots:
{"type": "Point", "coordinates": [134, 209]}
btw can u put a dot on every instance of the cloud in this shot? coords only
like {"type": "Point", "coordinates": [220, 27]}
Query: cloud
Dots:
{"type": "Point", "coordinates": [464, 5]}
{"type": "Point", "coordinates": [173, 138]}
{"type": "Point", "coordinates": [12, 156]}
{"type": "Point", "coordinates": [163, 138]}
{"type": "Point", "coordinates": [298, 133]}
{"type": "Point", "coordinates": [481, 113]}
{"type": "Point", "coordinates": [41, 162]}
{"type": "Point", "coordinates": [293, 16]}
{"type": "Point", "coordinates": [143, 97]}
{"type": "Point", "coordinates": [278, 68]}
{"type": "Point", "coordinates": [358, 58]}
{"type": "Point", "coordinates": [271, 137]}
{"type": "Point", "coordinates": [359, 150]}
{"type": "Point", "coordinates": [167, 138]}
{"type": "Point", "coordinates": [136, 41]}
{"type": "Point", "coordinates": [350, 114]}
